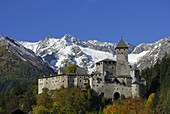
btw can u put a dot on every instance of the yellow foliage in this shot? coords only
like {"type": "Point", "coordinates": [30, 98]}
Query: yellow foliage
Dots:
{"type": "Point", "coordinates": [71, 68]}
{"type": "Point", "coordinates": [150, 99]}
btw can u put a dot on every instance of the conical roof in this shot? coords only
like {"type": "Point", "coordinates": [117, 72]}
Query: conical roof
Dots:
{"type": "Point", "coordinates": [121, 44]}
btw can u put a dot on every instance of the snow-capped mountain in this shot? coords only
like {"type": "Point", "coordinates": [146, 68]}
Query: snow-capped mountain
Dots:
{"type": "Point", "coordinates": [19, 50]}
{"type": "Point", "coordinates": [152, 52]}
{"type": "Point", "coordinates": [60, 51]}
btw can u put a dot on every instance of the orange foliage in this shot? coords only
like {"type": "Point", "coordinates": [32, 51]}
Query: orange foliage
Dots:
{"type": "Point", "coordinates": [128, 105]}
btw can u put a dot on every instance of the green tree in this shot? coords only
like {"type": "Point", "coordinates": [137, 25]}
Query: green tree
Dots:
{"type": "Point", "coordinates": [29, 99]}
{"type": "Point", "coordinates": [2, 111]}
{"type": "Point", "coordinates": [17, 90]}
{"type": "Point", "coordinates": [103, 101]}
{"type": "Point", "coordinates": [40, 110]}
{"type": "Point", "coordinates": [70, 100]}
{"type": "Point", "coordinates": [89, 94]}
{"type": "Point", "coordinates": [157, 79]}
{"type": "Point", "coordinates": [44, 99]}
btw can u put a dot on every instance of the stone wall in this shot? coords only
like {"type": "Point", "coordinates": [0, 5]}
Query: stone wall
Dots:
{"type": "Point", "coordinates": [67, 81]}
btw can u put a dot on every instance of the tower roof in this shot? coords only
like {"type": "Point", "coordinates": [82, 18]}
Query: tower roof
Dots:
{"type": "Point", "coordinates": [121, 44]}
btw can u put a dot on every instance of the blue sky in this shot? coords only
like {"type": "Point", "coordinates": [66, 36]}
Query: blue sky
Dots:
{"type": "Point", "coordinates": [138, 21]}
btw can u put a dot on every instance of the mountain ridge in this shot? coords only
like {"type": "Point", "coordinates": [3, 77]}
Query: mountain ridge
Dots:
{"type": "Point", "coordinates": [58, 52]}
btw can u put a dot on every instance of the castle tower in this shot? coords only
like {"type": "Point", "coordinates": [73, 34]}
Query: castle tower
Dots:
{"type": "Point", "coordinates": [122, 67]}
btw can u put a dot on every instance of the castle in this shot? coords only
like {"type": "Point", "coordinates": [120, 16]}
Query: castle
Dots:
{"type": "Point", "coordinates": [111, 78]}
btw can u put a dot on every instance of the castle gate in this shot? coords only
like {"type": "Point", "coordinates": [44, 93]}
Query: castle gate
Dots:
{"type": "Point", "coordinates": [116, 96]}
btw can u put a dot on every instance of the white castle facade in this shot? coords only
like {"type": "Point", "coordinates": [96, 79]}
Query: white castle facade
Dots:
{"type": "Point", "coordinates": [111, 78]}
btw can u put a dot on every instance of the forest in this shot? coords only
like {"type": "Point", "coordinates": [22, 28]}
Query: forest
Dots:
{"type": "Point", "coordinates": [18, 90]}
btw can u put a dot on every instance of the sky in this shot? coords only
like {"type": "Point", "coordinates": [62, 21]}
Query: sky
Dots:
{"type": "Point", "coordinates": [138, 21]}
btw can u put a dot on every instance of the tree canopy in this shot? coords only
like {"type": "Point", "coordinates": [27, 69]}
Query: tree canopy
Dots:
{"type": "Point", "coordinates": [71, 68]}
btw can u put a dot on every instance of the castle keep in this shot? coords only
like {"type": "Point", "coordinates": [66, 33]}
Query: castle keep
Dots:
{"type": "Point", "coordinates": [111, 78]}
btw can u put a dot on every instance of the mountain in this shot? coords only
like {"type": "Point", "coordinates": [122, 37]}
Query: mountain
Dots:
{"type": "Point", "coordinates": [12, 50]}
{"type": "Point", "coordinates": [60, 51]}
{"type": "Point", "coordinates": [153, 52]}
{"type": "Point", "coordinates": [19, 50]}
{"type": "Point", "coordinates": [19, 63]}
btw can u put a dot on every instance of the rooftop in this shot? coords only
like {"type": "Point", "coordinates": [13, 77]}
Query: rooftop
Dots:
{"type": "Point", "coordinates": [105, 60]}
{"type": "Point", "coordinates": [121, 44]}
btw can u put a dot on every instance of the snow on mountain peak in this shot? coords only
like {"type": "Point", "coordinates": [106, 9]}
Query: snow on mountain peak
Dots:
{"type": "Point", "coordinates": [59, 52]}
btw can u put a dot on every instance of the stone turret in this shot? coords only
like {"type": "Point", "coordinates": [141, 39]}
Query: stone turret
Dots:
{"type": "Point", "coordinates": [122, 67]}
{"type": "Point", "coordinates": [134, 72]}
{"type": "Point", "coordinates": [106, 67]}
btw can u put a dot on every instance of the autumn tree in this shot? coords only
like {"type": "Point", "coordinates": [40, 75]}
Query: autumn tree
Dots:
{"type": "Point", "coordinates": [71, 68]}
{"type": "Point", "coordinates": [128, 105]}
{"type": "Point", "coordinates": [150, 100]}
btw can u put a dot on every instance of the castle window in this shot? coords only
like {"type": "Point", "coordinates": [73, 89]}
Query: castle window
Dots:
{"type": "Point", "coordinates": [102, 86]}
{"type": "Point", "coordinates": [136, 89]}
{"type": "Point", "coordinates": [122, 53]}
{"type": "Point", "coordinates": [63, 81]}
{"type": "Point", "coordinates": [97, 85]}
{"type": "Point", "coordinates": [80, 80]}
{"type": "Point", "coordinates": [117, 88]}
{"type": "Point", "coordinates": [46, 82]}
{"type": "Point", "coordinates": [93, 85]}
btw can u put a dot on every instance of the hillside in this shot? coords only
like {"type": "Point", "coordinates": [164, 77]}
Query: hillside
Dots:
{"type": "Point", "coordinates": [158, 78]}
{"type": "Point", "coordinates": [14, 67]}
